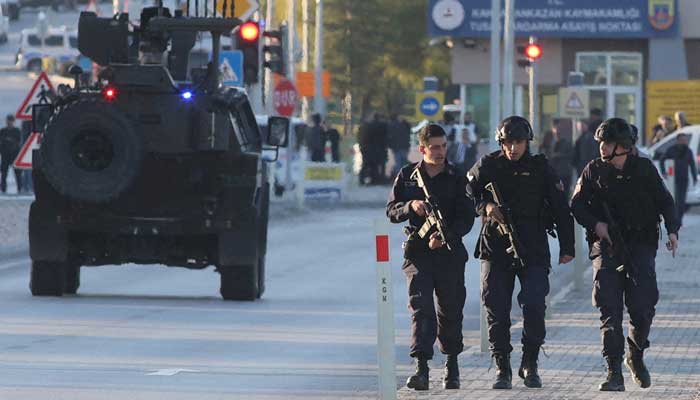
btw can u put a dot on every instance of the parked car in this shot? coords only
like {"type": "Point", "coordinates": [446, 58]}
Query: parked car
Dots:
{"type": "Point", "coordinates": [59, 44]}
{"type": "Point", "coordinates": [657, 150]}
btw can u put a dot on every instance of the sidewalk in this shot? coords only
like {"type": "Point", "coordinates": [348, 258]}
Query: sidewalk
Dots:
{"type": "Point", "coordinates": [575, 366]}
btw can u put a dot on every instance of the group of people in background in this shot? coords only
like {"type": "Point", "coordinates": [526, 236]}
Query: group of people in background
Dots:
{"type": "Point", "coordinates": [376, 137]}
{"type": "Point", "coordinates": [10, 144]}
{"type": "Point", "coordinates": [319, 134]}
{"type": "Point", "coordinates": [667, 125]}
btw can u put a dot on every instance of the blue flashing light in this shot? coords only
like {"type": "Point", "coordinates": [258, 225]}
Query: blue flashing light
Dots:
{"type": "Point", "coordinates": [186, 95]}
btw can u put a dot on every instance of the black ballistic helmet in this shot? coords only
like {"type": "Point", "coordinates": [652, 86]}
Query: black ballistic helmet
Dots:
{"type": "Point", "coordinates": [616, 130]}
{"type": "Point", "coordinates": [514, 128]}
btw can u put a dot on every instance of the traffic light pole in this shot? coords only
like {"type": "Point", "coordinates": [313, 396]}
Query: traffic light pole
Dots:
{"type": "Point", "coordinates": [495, 95]}
{"type": "Point", "coordinates": [508, 56]}
{"type": "Point", "coordinates": [319, 101]}
{"type": "Point", "coordinates": [534, 112]}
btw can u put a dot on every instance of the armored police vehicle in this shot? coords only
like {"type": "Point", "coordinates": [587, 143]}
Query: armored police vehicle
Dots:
{"type": "Point", "coordinates": [155, 163]}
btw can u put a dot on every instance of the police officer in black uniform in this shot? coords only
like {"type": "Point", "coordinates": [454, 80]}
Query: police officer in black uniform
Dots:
{"type": "Point", "coordinates": [631, 188]}
{"type": "Point", "coordinates": [429, 265]}
{"type": "Point", "coordinates": [534, 194]}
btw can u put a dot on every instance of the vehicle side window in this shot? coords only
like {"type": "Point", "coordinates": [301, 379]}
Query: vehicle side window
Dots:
{"type": "Point", "coordinates": [54, 41]}
{"type": "Point", "coordinates": [73, 42]}
{"type": "Point", "coordinates": [33, 40]}
{"type": "Point", "coordinates": [661, 150]}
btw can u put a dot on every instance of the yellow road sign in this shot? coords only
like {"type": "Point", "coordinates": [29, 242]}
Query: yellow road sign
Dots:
{"type": "Point", "coordinates": [242, 9]}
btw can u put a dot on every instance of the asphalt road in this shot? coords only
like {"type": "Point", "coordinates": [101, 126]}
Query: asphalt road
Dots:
{"type": "Point", "coordinates": [151, 332]}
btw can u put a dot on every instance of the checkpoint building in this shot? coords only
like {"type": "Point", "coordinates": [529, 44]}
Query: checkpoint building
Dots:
{"type": "Point", "coordinates": [625, 49]}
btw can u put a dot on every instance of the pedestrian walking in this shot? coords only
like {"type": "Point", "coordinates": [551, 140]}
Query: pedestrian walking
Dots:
{"type": "Point", "coordinates": [317, 140]}
{"type": "Point", "coordinates": [513, 242]}
{"type": "Point", "coordinates": [619, 199]}
{"type": "Point", "coordinates": [585, 148]}
{"type": "Point", "coordinates": [683, 161]}
{"type": "Point", "coordinates": [399, 138]}
{"type": "Point", "coordinates": [434, 264]}
{"type": "Point", "coordinates": [560, 155]}
{"type": "Point", "coordinates": [10, 142]}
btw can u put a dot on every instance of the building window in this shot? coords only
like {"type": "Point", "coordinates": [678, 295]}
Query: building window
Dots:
{"type": "Point", "coordinates": [610, 69]}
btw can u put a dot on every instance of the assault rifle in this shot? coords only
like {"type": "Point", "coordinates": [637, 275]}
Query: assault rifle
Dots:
{"type": "Point", "coordinates": [508, 227]}
{"type": "Point", "coordinates": [434, 221]}
{"type": "Point", "coordinates": [619, 246]}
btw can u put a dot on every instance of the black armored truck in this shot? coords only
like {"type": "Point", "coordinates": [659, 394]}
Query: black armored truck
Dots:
{"type": "Point", "coordinates": [156, 162]}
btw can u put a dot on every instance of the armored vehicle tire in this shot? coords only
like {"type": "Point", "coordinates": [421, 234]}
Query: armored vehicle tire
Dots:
{"type": "Point", "coordinates": [90, 152]}
{"type": "Point", "coordinates": [239, 282]}
{"type": "Point", "coordinates": [71, 278]}
{"type": "Point", "coordinates": [47, 278]}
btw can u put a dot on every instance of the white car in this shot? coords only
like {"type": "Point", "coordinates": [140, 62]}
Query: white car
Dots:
{"type": "Point", "coordinates": [657, 150]}
{"type": "Point", "coordinates": [60, 43]}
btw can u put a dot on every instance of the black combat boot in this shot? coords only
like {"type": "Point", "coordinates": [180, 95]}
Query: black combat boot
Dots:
{"type": "Point", "coordinates": [635, 363]}
{"type": "Point", "coordinates": [451, 379]}
{"type": "Point", "coordinates": [528, 369]}
{"type": "Point", "coordinates": [614, 382]}
{"type": "Point", "coordinates": [420, 380]}
{"type": "Point", "coordinates": [504, 374]}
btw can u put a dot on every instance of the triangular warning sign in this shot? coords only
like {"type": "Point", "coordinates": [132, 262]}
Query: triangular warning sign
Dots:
{"type": "Point", "coordinates": [227, 71]}
{"type": "Point", "coordinates": [25, 110]}
{"type": "Point", "coordinates": [24, 158]}
{"type": "Point", "coordinates": [574, 102]}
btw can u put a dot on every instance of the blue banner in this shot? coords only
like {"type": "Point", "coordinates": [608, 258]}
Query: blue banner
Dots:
{"type": "Point", "coordinates": [582, 19]}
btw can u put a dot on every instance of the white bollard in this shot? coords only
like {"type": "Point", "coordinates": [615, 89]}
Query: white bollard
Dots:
{"type": "Point", "coordinates": [386, 354]}
{"type": "Point", "coordinates": [581, 259]}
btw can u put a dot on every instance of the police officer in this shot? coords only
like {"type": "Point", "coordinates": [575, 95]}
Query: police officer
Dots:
{"type": "Point", "coordinates": [429, 265]}
{"type": "Point", "coordinates": [631, 188]}
{"type": "Point", "coordinates": [534, 194]}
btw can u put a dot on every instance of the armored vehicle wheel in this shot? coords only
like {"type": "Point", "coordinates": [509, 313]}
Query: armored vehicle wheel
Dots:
{"type": "Point", "coordinates": [72, 278]}
{"type": "Point", "coordinates": [47, 278]}
{"type": "Point", "coordinates": [90, 152]}
{"type": "Point", "coordinates": [239, 282]}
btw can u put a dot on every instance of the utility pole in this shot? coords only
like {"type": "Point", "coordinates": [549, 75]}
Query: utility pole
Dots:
{"type": "Point", "coordinates": [495, 95]}
{"type": "Point", "coordinates": [305, 53]}
{"type": "Point", "coordinates": [269, 25]}
{"type": "Point", "coordinates": [291, 40]}
{"type": "Point", "coordinates": [508, 50]}
{"type": "Point", "coordinates": [319, 101]}
{"type": "Point", "coordinates": [532, 72]}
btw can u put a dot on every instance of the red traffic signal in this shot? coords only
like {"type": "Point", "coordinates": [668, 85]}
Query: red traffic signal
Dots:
{"type": "Point", "coordinates": [533, 51]}
{"type": "Point", "coordinates": [249, 31]}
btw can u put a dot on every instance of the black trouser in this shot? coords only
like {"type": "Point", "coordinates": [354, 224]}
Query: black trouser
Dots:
{"type": "Point", "coordinates": [611, 288]}
{"type": "Point", "coordinates": [7, 160]}
{"type": "Point", "coordinates": [442, 274]}
{"type": "Point", "coordinates": [497, 285]}
{"type": "Point", "coordinates": [680, 195]}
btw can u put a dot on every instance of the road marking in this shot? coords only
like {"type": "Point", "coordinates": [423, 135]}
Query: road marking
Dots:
{"type": "Point", "coordinates": [170, 371]}
{"type": "Point", "coordinates": [13, 264]}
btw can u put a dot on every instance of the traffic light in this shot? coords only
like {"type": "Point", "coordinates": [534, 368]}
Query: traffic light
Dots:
{"type": "Point", "coordinates": [248, 42]}
{"type": "Point", "coordinates": [532, 51]}
{"type": "Point", "coordinates": [275, 50]}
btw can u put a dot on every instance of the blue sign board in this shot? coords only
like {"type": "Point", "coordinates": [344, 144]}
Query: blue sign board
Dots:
{"type": "Point", "coordinates": [559, 18]}
{"type": "Point", "coordinates": [430, 106]}
{"type": "Point", "coordinates": [231, 67]}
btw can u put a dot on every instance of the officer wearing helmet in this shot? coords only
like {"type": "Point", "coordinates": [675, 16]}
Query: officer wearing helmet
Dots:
{"type": "Point", "coordinates": [635, 197]}
{"type": "Point", "coordinates": [534, 196]}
